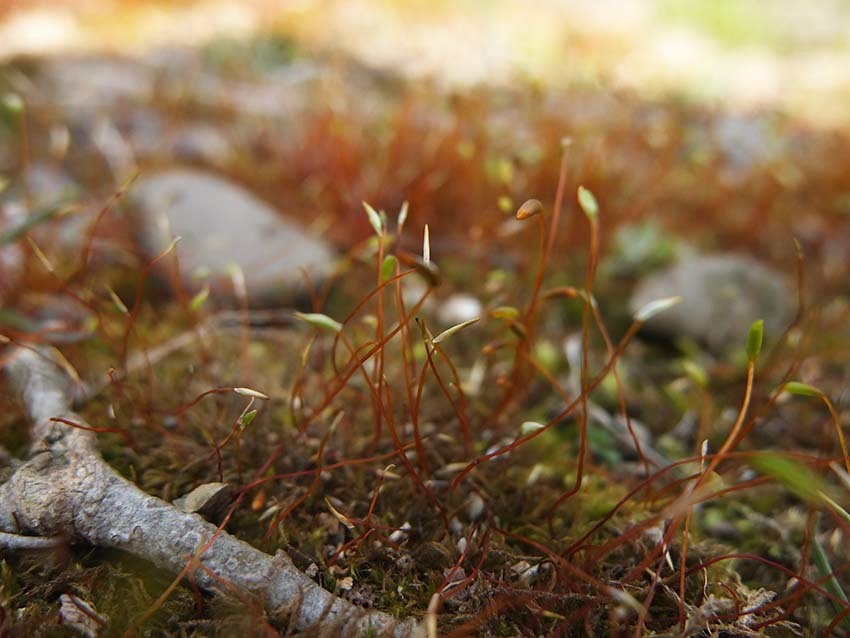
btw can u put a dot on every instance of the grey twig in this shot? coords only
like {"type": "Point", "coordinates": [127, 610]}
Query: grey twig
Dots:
{"type": "Point", "coordinates": [18, 541]}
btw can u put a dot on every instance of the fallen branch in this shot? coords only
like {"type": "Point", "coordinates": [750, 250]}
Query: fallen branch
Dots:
{"type": "Point", "coordinates": [67, 490]}
{"type": "Point", "coordinates": [19, 541]}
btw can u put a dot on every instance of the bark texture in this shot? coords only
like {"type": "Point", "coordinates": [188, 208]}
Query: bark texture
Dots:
{"type": "Point", "coordinates": [67, 490]}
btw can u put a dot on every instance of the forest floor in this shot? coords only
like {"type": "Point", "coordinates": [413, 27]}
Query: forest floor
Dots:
{"type": "Point", "coordinates": [540, 475]}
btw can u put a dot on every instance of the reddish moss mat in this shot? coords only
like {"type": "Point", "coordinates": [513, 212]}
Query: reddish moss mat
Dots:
{"type": "Point", "coordinates": [410, 475]}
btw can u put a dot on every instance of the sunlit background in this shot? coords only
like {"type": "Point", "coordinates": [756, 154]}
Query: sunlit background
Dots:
{"type": "Point", "coordinates": [743, 53]}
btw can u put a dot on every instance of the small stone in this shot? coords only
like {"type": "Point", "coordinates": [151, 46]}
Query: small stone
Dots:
{"type": "Point", "coordinates": [201, 143]}
{"type": "Point", "coordinates": [361, 594]}
{"type": "Point", "coordinates": [221, 225]}
{"type": "Point", "coordinates": [475, 507]}
{"type": "Point", "coordinates": [458, 308]}
{"type": "Point", "coordinates": [145, 131]}
{"type": "Point", "coordinates": [401, 533]}
{"type": "Point", "coordinates": [722, 295]}
{"type": "Point", "coordinates": [48, 185]}
{"type": "Point", "coordinates": [43, 186]}
{"type": "Point", "coordinates": [80, 83]}
{"type": "Point", "coordinates": [746, 142]}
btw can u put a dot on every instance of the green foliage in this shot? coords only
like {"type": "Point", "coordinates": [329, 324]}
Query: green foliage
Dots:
{"type": "Point", "coordinates": [319, 320]}
{"type": "Point", "coordinates": [796, 477]}
{"type": "Point", "coordinates": [200, 298]}
{"type": "Point", "coordinates": [828, 574]}
{"type": "Point", "coordinates": [588, 203]}
{"type": "Point", "coordinates": [258, 55]}
{"type": "Point", "coordinates": [247, 418]}
{"type": "Point", "coordinates": [375, 219]}
{"type": "Point", "coordinates": [755, 338]}
{"type": "Point", "coordinates": [388, 267]}
{"type": "Point", "coordinates": [733, 23]}
{"type": "Point", "coordinates": [33, 220]}
{"type": "Point", "coordinates": [641, 247]}
{"type": "Point", "coordinates": [656, 307]}
{"type": "Point", "coordinates": [505, 312]}
{"type": "Point", "coordinates": [802, 389]}
{"type": "Point", "coordinates": [448, 332]}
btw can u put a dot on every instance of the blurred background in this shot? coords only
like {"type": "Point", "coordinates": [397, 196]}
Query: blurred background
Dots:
{"type": "Point", "coordinates": [717, 124]}
{"type": "Point", "coordinates": [745, 53]}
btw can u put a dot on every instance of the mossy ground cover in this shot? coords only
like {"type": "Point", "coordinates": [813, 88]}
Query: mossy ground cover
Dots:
{"type": "Point", "coordinates": [360, 463]}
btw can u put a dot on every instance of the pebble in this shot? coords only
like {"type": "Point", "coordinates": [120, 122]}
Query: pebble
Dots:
{"type": "Point", "coordinates": [459, 307]}
{"type": "Point", "coordinates": [222, 225]}
{"type": "Point", "coordinates": [721, 296]}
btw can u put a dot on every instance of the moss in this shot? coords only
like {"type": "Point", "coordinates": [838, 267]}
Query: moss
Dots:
{"type": "Point", "coordinates": [535, 566]}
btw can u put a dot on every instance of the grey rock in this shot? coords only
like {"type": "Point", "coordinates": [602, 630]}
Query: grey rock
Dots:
{"type": "Point", "coordinates": [201, 143]}
{"type": "Point", "coordinates": [145, 131]}
{"type": "Point", "coordinates": [221, 225]}
{"type": "Point", "coordinates": [88, 82]}
{"type": "Point", "coordinates": [43, 187]}
{"type": "Point", "coordinates": [48, 184]}
{"type": "Point", "coordinates": [459, 307]}
{"type": "Point", "coordinates": [747, 141]}
{"type": "Point", "coordinates": [721, 296]}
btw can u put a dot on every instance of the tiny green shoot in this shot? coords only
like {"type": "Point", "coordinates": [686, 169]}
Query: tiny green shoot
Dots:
{"type": "Point", "coordinates": [802, 389]}
{"type": "Point", "coordinates": [250, 392]}
{"type": "Point", "coordinates": [374, 219]}
{"type": "Point", "coordinates": [388, 267]}
{"type": "Point", "coordinates": [795, 476]}
{"type": "Point", "coordinates": [530, 426]}
{"type": "Point", "coordinates": [12, 102]}
{"type": "Point", "coordinates": [530, 208]}
{"type": "Point", "coordinates": [319, 320]}
{"type": "Point", "coordinates": [246, 419]}
{"type": "Point", "coordinates": [505, 312]}
{"type": "Point", "coordinates": [588, 202]}
{"type": "Point", "coordinates": [122, 307]}
{"type": "Point", "coordinates": [199, 298]}
{"type": "Point", "coordinates": [402, 217]}
{"type": "Point", "coordinates": [755, 338]}
{"type": "Point", "coordinates": [445, 334]}
{"type": "Point", "coordinates": [656, 307]}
